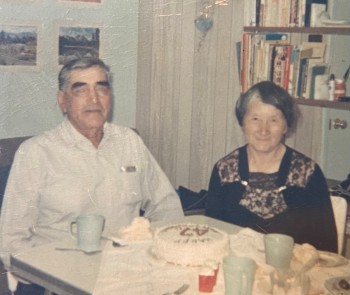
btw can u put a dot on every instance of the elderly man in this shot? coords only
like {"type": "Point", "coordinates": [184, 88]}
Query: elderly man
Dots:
{"type": "Point", "coordinates": [84, 165]}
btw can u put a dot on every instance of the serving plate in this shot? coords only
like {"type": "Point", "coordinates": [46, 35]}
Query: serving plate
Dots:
{"type": "Point", "coordinates": [333, 287]}
{"type": "Point", "coordinates": [329, 259]}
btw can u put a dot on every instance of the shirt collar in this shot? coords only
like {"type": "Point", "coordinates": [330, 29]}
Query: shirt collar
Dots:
{"type": "Point", "coordinates": [75, 138]}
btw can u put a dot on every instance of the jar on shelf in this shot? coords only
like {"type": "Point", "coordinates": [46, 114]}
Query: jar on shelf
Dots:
{"type": "Point", "coordinates": [339, 88]}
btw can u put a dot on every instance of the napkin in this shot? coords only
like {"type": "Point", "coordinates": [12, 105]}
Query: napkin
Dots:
{"type": "Point", "coordinates": [132, 270]}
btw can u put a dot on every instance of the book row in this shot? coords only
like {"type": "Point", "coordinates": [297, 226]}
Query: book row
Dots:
{"type": "Point", "coordinates": [300, 69]}
{"type": "Point", "coordinates": [284, 13]}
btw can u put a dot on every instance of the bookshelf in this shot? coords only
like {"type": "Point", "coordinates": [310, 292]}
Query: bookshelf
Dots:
{"type": "Point", "coordinates": [324, 103]}
{"type": "Point", "coordinates": [326, 30]}
{"type": "Point", "coordinates": [301, 30]}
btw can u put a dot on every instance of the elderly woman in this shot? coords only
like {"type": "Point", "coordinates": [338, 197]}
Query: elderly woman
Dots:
{"type": "Point", "coordinates": [266, 185]}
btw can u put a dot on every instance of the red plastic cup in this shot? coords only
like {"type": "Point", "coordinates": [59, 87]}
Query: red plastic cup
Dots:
{"type": "Point", "coordinates": [206, 280]}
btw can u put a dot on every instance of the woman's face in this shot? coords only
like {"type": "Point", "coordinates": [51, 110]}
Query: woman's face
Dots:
{"type": "Point", "coordinates": [264, 126]}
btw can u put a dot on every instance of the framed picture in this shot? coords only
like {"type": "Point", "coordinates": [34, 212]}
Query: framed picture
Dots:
{"type": "Point", "coordinates": [19, 46]}
{"type": "Point", "coordinates": [90, 1]}
{"type": "Point", "coordinates": [21, 1]}
{"type": "Point", "coordinates": [82, 1]}
{"type": "Point", "coordinates": [78, 41]}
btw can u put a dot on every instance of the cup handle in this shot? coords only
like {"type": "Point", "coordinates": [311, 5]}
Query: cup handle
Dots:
{"type": "Point", "coordinates": [103, 225]}
{"type": "Point", "coordinates": [73, 233]}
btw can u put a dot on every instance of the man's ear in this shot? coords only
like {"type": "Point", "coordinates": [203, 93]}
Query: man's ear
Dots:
{"type": "Point", "coordinates": [61, 101]}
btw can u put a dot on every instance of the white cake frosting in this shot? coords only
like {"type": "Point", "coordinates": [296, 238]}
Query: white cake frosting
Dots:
{"type": "Point", "coordinates": [190, 244]}
{"type": "Point", "coordinates": [139, 229]}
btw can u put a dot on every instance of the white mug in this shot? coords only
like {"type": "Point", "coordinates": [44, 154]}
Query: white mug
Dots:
{"type": "Point", "coordinates": [89, 228]}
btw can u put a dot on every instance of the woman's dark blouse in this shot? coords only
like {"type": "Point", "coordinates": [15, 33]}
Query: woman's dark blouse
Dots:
{"type": "Point", "coordinates": [308, 216]}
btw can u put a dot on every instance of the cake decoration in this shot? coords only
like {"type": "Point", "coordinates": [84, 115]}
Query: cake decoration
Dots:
{"type": "Point", "coordinates": [190, 244]}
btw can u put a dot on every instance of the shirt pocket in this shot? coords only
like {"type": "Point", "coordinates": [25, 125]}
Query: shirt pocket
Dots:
{"type": "Point", "coordinates": [129, 184]}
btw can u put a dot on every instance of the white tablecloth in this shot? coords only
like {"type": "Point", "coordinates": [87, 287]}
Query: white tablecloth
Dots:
{"type": "Point", "coordinates": [133, 270]}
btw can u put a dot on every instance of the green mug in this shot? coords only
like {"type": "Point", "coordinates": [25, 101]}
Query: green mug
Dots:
{"type": "Point", "coordinates": [87, 229]}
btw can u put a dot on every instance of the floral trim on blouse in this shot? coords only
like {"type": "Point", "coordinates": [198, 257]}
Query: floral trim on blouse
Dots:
{"type": "Point", "coordinates": [262, 195]}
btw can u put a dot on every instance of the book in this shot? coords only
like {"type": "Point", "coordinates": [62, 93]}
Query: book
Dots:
{"type": "Point", "coordinates": [294, 12]}
{"type": "Point", "coordinates": [318, 48]}
{"type": "Point", "coordinates": [261, 52]}
{"type": "Point", "coordinates": [308, 9]}
{"type": "Point", "coordinates": [300, 68]}
{"type": "Point", "coordinates": [250, 13]}
{"type": "Point", "coordinates": [301, 13]}
{"type": "Point", "coordinates": [293, 70]}
{"type": "Point", "coordinates": [272, 16]}
{"type": "Point", "coordinates": [245, 57]}
{"type": "Point", "coordinates": [315, 66]}
{"type": "Point", "coordinates": [304, 63]}
{"type": "Point", "coordinates": [284, 13]}
{"type": "Point", "coordinates": [279, 37]}
{"type": "Point", "coordinates": [321, 87]}
{"type": "Point", "coordinates": [280, 64]}
{"type": "Point", "coordinates": [257, 12]}
{"type": "Point", "coordinates": [287, 68]}
{"type": "Point", "coordinates": [262, 14]}
{"type": "Point", "coordinates": [317, 70]}
{"type": "Point", "coordinates": [316, 12]}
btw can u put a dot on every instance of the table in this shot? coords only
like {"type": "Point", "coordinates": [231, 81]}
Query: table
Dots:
{"type": "Point", "coordinates": [75, 273]}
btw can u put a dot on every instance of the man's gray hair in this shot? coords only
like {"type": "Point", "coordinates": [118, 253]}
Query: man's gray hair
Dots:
{"type": "Point", "coordinates": [81, 64]}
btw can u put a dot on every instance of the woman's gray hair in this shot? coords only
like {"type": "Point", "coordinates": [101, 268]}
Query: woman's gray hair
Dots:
{"type": "Point", "coordinates": [81, 64]}
{"type": "Point", "coordinates": [272, 94]}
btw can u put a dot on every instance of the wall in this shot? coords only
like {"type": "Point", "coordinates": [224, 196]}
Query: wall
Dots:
{"type": "Point", "coordinates": [336, 142]}
{"type": "Point", "coordinates": [28, 98]}
{"type": "Point", "coordinates": [339, 44]}
{"type": "Point", "coordinates": [187, 81]}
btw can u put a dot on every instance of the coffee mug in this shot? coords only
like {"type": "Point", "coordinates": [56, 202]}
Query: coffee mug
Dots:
{"type": "Point", "coordinates": [239, 273]}
{"type": "Point", "coordinates": [278, 250]}
{"type": "Point", "coordinates": [88, 231]}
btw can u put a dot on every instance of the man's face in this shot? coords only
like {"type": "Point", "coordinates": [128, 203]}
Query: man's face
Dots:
{"type": "Point", "coordinates": [86, 100]}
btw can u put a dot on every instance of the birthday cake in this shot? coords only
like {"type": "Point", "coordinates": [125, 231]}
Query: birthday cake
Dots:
{"type": "Point", "coordinates": [190, 244]}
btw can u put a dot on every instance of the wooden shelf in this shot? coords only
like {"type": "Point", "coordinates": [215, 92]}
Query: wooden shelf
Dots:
{"type": "Point", "coordinates": [303, 30]}
{"type": "Point", "coordinates": [324, 103]}
{"type": "Point", "coordinates": [335, 30]}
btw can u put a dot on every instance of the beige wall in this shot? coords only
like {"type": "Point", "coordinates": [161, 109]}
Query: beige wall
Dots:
{"type": "Point", "coordinates": [187, 85]}
{"type": "Point", "coordinates": [28, 96]}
